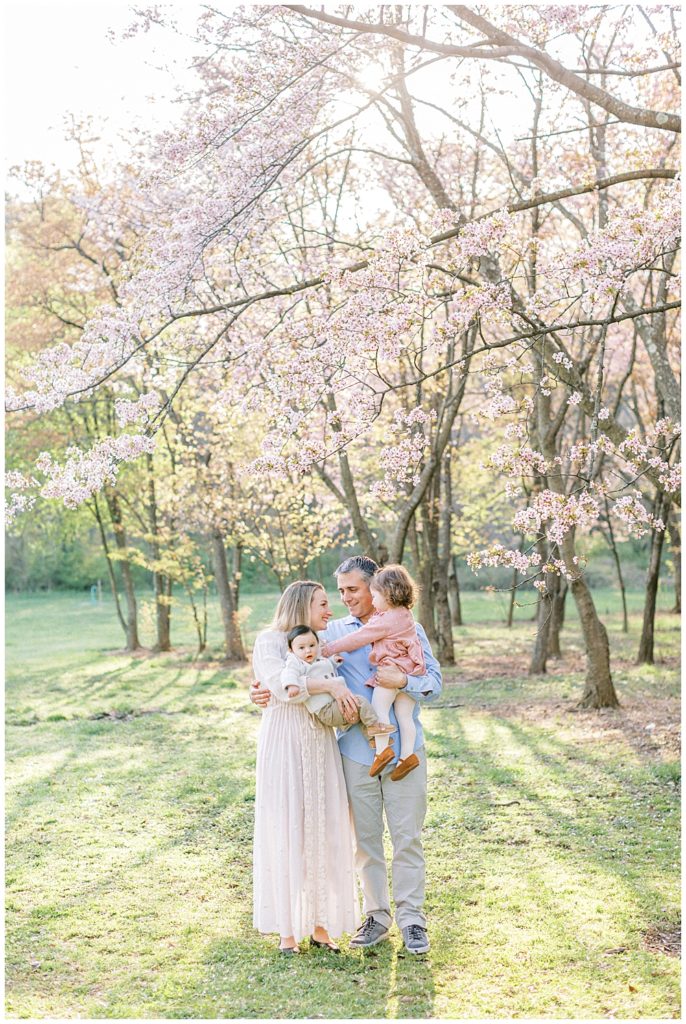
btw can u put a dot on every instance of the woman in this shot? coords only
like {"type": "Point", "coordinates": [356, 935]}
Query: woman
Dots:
{"type": "Point", "coordinates": [304, 879]}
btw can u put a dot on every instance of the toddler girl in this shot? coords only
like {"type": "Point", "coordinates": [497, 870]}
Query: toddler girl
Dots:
{"type": "Point", "coordinates": [392, 633]}
{"type": "Point", "coordinates": [305, 662]}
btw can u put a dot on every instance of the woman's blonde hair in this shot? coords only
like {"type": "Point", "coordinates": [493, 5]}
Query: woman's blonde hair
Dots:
{"type": "Point", "coordinates": [294, 605]}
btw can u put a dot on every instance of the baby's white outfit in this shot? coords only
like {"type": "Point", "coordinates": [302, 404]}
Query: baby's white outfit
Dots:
{"type": "Point", "coordinates": [296, 673]}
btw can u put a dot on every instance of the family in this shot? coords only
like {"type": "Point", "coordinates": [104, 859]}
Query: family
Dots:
{"type": "Point", "coordinates": [340, 745]}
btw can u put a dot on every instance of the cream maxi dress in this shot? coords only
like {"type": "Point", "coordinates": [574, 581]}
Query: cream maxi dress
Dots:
{"type": "Point", "coordinates": [303, 869]}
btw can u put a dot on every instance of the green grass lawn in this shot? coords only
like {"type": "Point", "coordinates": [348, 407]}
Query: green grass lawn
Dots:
{"type": "Point", "coordinates": [551, 839]}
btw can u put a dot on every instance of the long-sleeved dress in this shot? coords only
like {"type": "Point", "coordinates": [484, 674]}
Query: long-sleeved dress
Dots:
{"type": "Point", "coordinates": [303, 868]}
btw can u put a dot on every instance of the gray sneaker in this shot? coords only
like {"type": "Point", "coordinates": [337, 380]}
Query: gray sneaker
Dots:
{"type": "Point", "coordinates": [368, 934]}
{"type": "Point", "coordinates": [415, 938]}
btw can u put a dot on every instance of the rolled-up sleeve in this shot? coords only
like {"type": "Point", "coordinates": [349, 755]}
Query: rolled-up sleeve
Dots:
{"type": "Point", "coordinates": [426, 688]}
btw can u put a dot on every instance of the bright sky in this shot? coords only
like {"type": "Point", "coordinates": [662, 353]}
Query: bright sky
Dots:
{"type": "Point", "coordinates": [58, 59]}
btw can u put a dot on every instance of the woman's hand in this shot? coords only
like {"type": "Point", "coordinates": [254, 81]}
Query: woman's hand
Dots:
{"type": "Point", "coordinates": [259, 696]}
{"type": "Point", "coordinates": [345, 700]}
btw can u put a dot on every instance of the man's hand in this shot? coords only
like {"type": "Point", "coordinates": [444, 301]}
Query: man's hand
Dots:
{"type": "Point", "coordinates": [391, 677]}
{"type": "Point", "coordinates": [259, 696]}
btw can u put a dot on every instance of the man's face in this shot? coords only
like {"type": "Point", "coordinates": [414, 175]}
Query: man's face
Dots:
{"type": "Point", "coordinates": [355, 593]}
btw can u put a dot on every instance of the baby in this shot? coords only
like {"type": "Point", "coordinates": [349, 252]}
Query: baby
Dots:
{"type": "Point", "coordinates": [304, 662]}
{"type": "Point", "coordinates": [393, 636]}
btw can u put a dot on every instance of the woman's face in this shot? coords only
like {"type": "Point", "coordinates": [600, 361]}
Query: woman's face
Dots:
{"type": "Point", "coordinates": [320, 613]}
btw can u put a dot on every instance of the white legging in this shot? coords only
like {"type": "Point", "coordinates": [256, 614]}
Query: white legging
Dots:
{"type": "Point", "coordinates": [383, 700]}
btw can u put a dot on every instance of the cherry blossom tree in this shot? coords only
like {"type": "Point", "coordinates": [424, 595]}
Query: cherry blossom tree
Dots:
{"type": "Point", "coordinates": [521, 286]}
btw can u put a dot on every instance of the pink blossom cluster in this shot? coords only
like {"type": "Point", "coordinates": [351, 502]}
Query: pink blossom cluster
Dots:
{"type": "Point", "coordinates": [477, 238]}
{"type": "Point", "coordinates": [632, 238]}
{"type": "Point", "coordinates": [497, 554]}
{"type": "Point", "coordinates": [631, 510]}
{"type": "Point", "coordinates": [540, 23]}
{"type": "Point", "coordinates": [639, 451]}
{"type": "Point", "coordinates": [84, 473]}
{"type": "Point", "coordinates": [592, 272]}
{"type": "Point", "coordinates": [559, 513]}
{"type": "Point", "coordinates": [401, 462]}
{"type": "Point", "coordinates": [580, 451]}
{"type": "Point", "coordinates": [62, 370]}
{"type": "Point", "coordinates": [142, 409]}
{"type": "Point", "coordinates": [561, 359]}
{"type": "Point", "coordinates": [490, 302]}
{"type": "Point", "coordinates": [500, 405]}
{"type": "Point", "coordinates": [520, 461]}
{"type": "Point", "coordinates": [20, 499]}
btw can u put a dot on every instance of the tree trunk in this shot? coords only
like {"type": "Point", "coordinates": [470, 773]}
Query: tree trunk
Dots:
{"type": "Point", "coordinates": [445, 649]}
{"type": "Point", "coordinates": [424, 576]}
{"type": "Point", "coordinates": [454, 595]}
{"type": "Point", "coordinates": [675, 549]}
{"type": "Point", "coordinates": [347, 494]}
{"type": "Point", "coordinates": [161, 584]}
{"type": "Point", "coordinates": [618, 567]}
{"type": "Point", "coordinates": [557, 618]}
{"type": "Point", "coordinates": [544, 610]}
{"type": "Point", "coordinates": [200, 624]}
{"type": "Point", "coordinates": [449, 560]}
{"type": "Point", "coordinates": [110, 569]}
{"type": "Point", "coordinates": [599, 690]}
{"type": "Point", "coordinates": [513, 588]}
{"type": "Point", "coordinates": [236, 573]}
{"type": "Point", "coordinates": [646, 647]}
{"type": "Point", "coordinates": [163, 600]}
{"type": "Point", "coordinates": [511, 606]}
{"type": "Point", "coordinates": [228, 594]}
{"type": "Point", "coordinates": [121, 541]}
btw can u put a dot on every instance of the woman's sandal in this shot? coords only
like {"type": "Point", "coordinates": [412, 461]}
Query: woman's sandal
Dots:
{"type": "Point", "coordinates": [289, 950]}
{"type": "Point", "coordinates": [324, 945]}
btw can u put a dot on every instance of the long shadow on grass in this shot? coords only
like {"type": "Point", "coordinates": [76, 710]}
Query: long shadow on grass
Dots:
{"type": "Point", "coordinates": [574, 833]}
{"type": "Point", "coordinates": [354, 984]}
{"type": "Point", "coordinates": [123, 688]}
{"type": "Point", "coordinates": [535, 882]}
{"type": "Point", "coordinates": [74, 693]}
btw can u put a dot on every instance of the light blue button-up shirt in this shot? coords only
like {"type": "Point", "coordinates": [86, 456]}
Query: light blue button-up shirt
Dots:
{"type": "Point", "coordinates": [356, 670]}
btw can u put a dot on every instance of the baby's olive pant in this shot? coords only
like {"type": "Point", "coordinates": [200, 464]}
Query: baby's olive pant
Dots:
{"type": "Point", "coordinates": [332, 715]}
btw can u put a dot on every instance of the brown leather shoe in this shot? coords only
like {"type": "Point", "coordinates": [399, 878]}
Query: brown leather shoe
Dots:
{"type": "Point", "coordinates": [380, 729]}
{"type": "Point", "coordinates": [404, 768]}
{"type": "Point", "coordinates": [380, 761]}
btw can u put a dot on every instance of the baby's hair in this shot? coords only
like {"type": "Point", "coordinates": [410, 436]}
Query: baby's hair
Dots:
{"type": "Point", "coordinates": [300, 631]}
{"type": "Point", "coordinates": [397, 586]}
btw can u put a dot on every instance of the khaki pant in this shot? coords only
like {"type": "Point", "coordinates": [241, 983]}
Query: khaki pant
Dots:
{"type": "Point", "coordinates": [405, 805]}
{"type": "Point", "coordinates": [332, 715]}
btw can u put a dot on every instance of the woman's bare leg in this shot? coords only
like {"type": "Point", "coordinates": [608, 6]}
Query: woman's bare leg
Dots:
{"type": "Point", "coordinates": [288, 942]}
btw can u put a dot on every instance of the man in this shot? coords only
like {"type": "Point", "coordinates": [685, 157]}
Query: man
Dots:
{"type": "Point", "coordinates": [404, 802]}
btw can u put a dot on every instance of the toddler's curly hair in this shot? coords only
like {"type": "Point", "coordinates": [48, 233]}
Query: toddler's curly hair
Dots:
{"type": "Point", "coordinates": [397, 586]}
